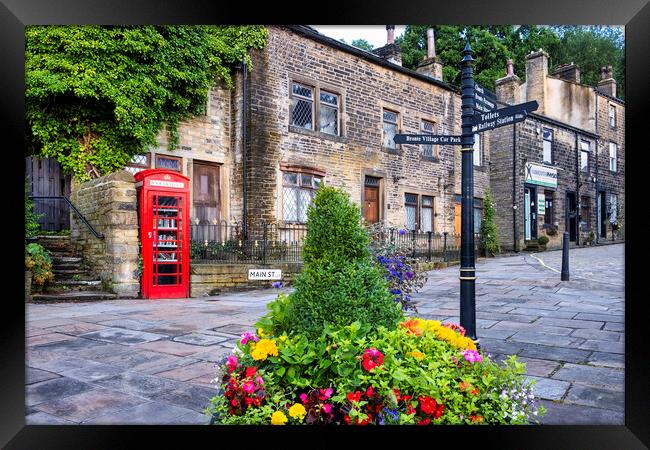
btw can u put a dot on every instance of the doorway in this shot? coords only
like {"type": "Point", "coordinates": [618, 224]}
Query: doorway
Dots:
{"type": "Point", "coordinates": [602, 215]}
{"type": "Point", "coordinates": [205, 193]}
{"type": "Point", "coordinates": [530, 213]}
{"type": "Point", "coordinates": [571, 216]}
{"type": "Point", "coordinates": [371, 199]}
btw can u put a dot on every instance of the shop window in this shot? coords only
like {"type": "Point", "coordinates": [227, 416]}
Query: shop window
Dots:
{"type": "Point", "coordinates": [548, 208]}
{"type": "Point", "coordinates": [298, 191]}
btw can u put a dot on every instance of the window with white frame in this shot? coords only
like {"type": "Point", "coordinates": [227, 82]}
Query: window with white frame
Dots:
{"type": "Point", "coordinates": [411, 208]}
{"type": "Point", "coordinates": [478, 150]}
{"type": "Point", "coordinates": [426, 213]}
{"type": "Point", "coordinates": [298, 190]}
{"type": "Point", "coordinates": [612, 115]}
{"type": "Point", "coordinates": [584, 156]}
{"type": "Point", "coordinates": [613, 149]}
{"type": "Point", "coordinates": [613, 208]}
{"type": "Point", "coordinates": [390, 128]}
{"type": "Point", "coordinates": [427, 127]}
{"type": "Point", "coordinates": [548, 145]}
{"type": "Point", "coordinates": [418, 212]}
{"type": "Point", "coordinates": [312, 106]}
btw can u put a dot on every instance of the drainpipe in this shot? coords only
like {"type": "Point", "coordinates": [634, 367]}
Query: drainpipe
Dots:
{"type": "Point", "coordinates": [515, 243]}
{"type": "Point", "coordinates": [244, 153]}
{"type": "Point", "coordinates": [596, 182]}
{"type": "Point", "coordinates": [579, 156]}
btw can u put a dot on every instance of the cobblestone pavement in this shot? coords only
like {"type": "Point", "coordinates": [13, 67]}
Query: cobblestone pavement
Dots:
{"type": "Point", "coordinates": [152, 361]}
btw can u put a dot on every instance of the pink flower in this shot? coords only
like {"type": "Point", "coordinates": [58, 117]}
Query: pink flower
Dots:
{"type": "Point", "coordinates": [327, 407]}
{"type": "Point", "coordinates": [303, 398]}
{"type": "Point", "coordinates": [325, 394]}
{"type": "Point", "coordinates": [259, 380]}
{"type": "Point", "coordinates": [472, 356]}
{"type": "Point", "coordinates": [248, 387]}
{"type": "Point", "coordinates": [248, 336]}
{"type": "Point", "coordinates": [232, 362]}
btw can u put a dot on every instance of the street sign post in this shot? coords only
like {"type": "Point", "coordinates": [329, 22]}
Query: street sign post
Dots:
{"type": "Point", "coordinates": [484, 100]}
{"type": "Point", "coordinates": [503, 116]}
{"type": "Point", "coordinates": [428, 139]}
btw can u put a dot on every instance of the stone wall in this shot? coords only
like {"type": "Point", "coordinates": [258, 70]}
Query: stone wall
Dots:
{"type": "Point", "coordinates": [213, 279]}
{"type": "Point", "coordinates": [109, 204]}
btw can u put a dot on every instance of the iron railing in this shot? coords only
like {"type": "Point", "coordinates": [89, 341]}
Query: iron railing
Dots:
{"type": "Point", "coordinates": [276, 242]}
{"type": "Point", "coordinates": [73, 208]}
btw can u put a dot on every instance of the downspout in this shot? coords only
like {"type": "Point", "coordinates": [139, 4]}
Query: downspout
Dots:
{"type": "Point", "coordinates": [579, 156]}
{"type": "Point", "coordinates": [515, 243]}
{"type": "Point", "coordinates": [596, 196]}
{"type": "Point", "coordinates": [244, 153]}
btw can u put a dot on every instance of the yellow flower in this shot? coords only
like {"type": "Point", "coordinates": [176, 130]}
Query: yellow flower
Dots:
{"type": "Point", "coordinates": [416, 354]}
{"type": "Point", "coordinates": [260, 332]}
{"type": "Point", "coordinates": [297, 411]}
{"type": "Point", "coordinates": [283, 338]}
{"type": "Point", "coordinates": [278, 418]}
{"type": "Point", "coordinates": [263, 349]}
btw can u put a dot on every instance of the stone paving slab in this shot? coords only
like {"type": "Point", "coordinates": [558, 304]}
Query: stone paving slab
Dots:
{"type": "Point", "coordinates": [189, 372]}
{"type": "Point", "coordinates": [614, 326]}
{"type": "Point", "coordinates": [147, 413]}
{"type": "Point", "coordinates": [47, 338]}
{"type": "Point", "coordinates": [611, 317]}
{"type": "Point", "coordinates": [596, 376]}
{"type": "Point", "coordinates": [122, 336]}
{"type": "Point", "coordinates": [138, 325]}
{"type": "Point", "coordinates": [603, 346]}
{"type": "Point", "coordinates": [77, 328]}
{"type": "Point", "coordinates": [539, 367]}
{"type": "Point", "coordinates": [171, 348]}
{"type": "Point", "coordinates": [86, 405]}
{"type": "Point", "coordinates": [535, 337]}
{"type": "Point", "coordinates": [549, 389]}
{"type": "Point", "coordinates": [38, 375]}
{"type": "Point", "coordinates": [201, 339]}
{"type": "Point", "coordinates": [615, 360]}
{"type": "Point", "coordinates": [41, 418]}
{"type": "Point", "coordinates": [93, 371]}
{"type": "Point", "coordinates": [567, 414]}
{"type": "Point", "coordinates": [187, 395]}
{"type": "Point", "coordinates": [570, 323]}
{"type": "Point", "coordinates": [597, 397]}
{"type": "Point", "coordinates": [597, 335]}
{"type": "Point", "coordinates": [54, 389]}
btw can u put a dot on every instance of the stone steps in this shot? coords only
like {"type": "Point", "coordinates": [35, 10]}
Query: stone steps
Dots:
{"type": "Point", "coordinates": [73, 296]}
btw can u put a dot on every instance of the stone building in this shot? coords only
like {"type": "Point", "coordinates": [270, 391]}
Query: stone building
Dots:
{"type": "Point", "coordinates": [320, 111]}
{"type": "Point", "coordinates": [563, 168]}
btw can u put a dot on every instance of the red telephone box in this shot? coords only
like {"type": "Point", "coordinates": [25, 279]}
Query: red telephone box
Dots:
{"type": "Point", "coordinates": [163, 199]}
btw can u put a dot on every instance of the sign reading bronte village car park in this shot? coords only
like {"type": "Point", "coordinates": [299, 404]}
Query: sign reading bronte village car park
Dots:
{"type": "Point", "coordinates": [264, 274]}
{"type": "Point", "coordinates": [431, 139]}
{"type": "Point", "coordinates": [484, 100]}
{"type": "Point", "coordinates": [504, 116]}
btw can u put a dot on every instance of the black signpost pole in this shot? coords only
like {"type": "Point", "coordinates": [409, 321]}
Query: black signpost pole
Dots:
{"type": "Point", "coordinates": [467, 268]}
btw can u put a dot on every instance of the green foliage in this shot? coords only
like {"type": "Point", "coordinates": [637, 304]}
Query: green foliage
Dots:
{"type": "Point", "coordinates": [489, 233]}
{"type": "Point", "coordinates": [98, 95]}
{"type": "Point", "coordinates": [339, 282]}
{"type": "Point", "coordinates": [542, 240]}
{"type": "Point", "coordinates": [37, 259]}
{"type": "Point", "coordinates": [590, 47]}
{"type": "Point", "coordinates": [414, 365]}
{"type": "Point", "coordinates": [31, 218]}
{"type": "Point", "coordinates": [362, 44]}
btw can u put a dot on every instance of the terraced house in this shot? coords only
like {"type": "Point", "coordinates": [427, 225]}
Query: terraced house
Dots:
{"type": "Point", "coordinates": [563, 169]}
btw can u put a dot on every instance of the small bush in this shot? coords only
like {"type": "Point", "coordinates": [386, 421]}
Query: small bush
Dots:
{"type": "Point", "coordinates": [489, 245]}
{"type": "Point", "coordinates": [542, 240]}
{"type": "Point", "coordinates": [31, 218]}
{"type": "Point", "coordinates": [37, 259]}
{"type": "Point", "coordinates": [551, 231]}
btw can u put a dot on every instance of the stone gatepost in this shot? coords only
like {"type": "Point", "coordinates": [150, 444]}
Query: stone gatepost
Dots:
{"type": "Point", "coordinates": [109, 204]}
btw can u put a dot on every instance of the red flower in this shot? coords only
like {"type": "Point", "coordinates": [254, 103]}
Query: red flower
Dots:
{"type": "Point", "coordinates": [234, 402]}
{"type": "Point", "coordinates": [426, 421]}
{"type": "Point", "coordinates": [476, 418]}
{"type": "Point", "coordinates": [370, 391]}
{"type": "Point", "coordinates": [372, 358]}
{"type": "Point", "coordinates": [354, 397]}
{"type": "Point", "coordinates": [430, 407]}
{"type": "Point", "coordinates": [250, 371]}
{"type": "Point", "coordinates": [410, 410]}
{"type": "Point", "coordinates": [398, 396]}
{"type": "Point", "coordinates": [474, 391]}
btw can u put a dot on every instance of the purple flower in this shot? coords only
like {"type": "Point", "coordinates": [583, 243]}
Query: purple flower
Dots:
{"type": "Point", "coordinates": [409, 275]}
{"type": "Point", "coordinates": [395, 291]}
{"type": "Point", "coordinates": [277, 285]}
{"type": "Point", "coordinates": [402, 232]}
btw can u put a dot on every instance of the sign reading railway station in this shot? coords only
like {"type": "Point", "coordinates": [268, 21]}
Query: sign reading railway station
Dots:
{"type": "Point", "coordinates": [430, 139]}
{"type": "Point", "coordinates": [501, 117]}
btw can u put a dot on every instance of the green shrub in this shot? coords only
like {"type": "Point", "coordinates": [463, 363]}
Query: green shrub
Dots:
{"type": "Point", "coordinates": [489, 245]}
{"type": "Point", "coordinates": [339, 282]}
{"type": "Point", "coordinates": [31, 219]}
{"type": "Point", "coordinates": [542, 240]}
{"type": "Point", "coordinates": [37, 259]}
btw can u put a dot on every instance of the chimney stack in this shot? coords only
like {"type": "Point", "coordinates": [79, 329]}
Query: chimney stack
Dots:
{"type": "Point", "coordinates": [607, 84]}
{"type": "Point", "coordinates": [536, 73]}
{"type": "Point", "coordinates": [431, 66]}
{"type": "Point", "coordinates": [569, 72]}
{"type": "Point", "coordinates": [507, 88]}
{"type": "Point", "coordinates": [391, 52]}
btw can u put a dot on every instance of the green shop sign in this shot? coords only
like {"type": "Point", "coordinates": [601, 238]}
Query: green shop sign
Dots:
{"type": "Point", "coordinates": [541, 175]}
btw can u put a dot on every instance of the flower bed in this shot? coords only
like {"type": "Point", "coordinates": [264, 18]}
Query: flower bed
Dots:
{"type": "Point", "coordinates": [423, 372]}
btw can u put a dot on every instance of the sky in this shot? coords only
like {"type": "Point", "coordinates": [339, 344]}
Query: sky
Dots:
{"type": "Point", "coordinates": [375, 34]}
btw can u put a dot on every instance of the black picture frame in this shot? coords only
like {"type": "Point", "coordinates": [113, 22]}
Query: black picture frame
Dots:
{"type": "Point", "coordinates": [16, 14]}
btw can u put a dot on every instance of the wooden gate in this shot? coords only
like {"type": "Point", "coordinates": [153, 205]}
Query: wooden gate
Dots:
{"type": "Point", "coordinates": [45, 178]}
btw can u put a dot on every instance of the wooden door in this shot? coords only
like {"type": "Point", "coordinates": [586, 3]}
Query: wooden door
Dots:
{"type": "Point", "coordinates": [45, 178]}
{"type": "Point", "coordinates": [205, 192]}
{"type": "Point", "coordinates": [371, 204]}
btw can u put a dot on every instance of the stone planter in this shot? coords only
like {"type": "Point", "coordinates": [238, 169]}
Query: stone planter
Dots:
{"type": "Point", "coordinates": [28, 285]}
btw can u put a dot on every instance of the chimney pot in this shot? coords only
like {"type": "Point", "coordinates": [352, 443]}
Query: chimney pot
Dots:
{"type": "Point", "coordinates": [390, 31]}
{"type": "Point", "coordinates": [510, 70]}
{"type": "Point", "coordinates": [431, 44]}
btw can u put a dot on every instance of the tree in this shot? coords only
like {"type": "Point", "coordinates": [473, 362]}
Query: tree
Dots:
{"type": "Point", "coordinates": [362, 44]}
{"type": "Point", "coordinates": [98, 95]}
{"type": "Point", "coordinates": [489, 233]}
